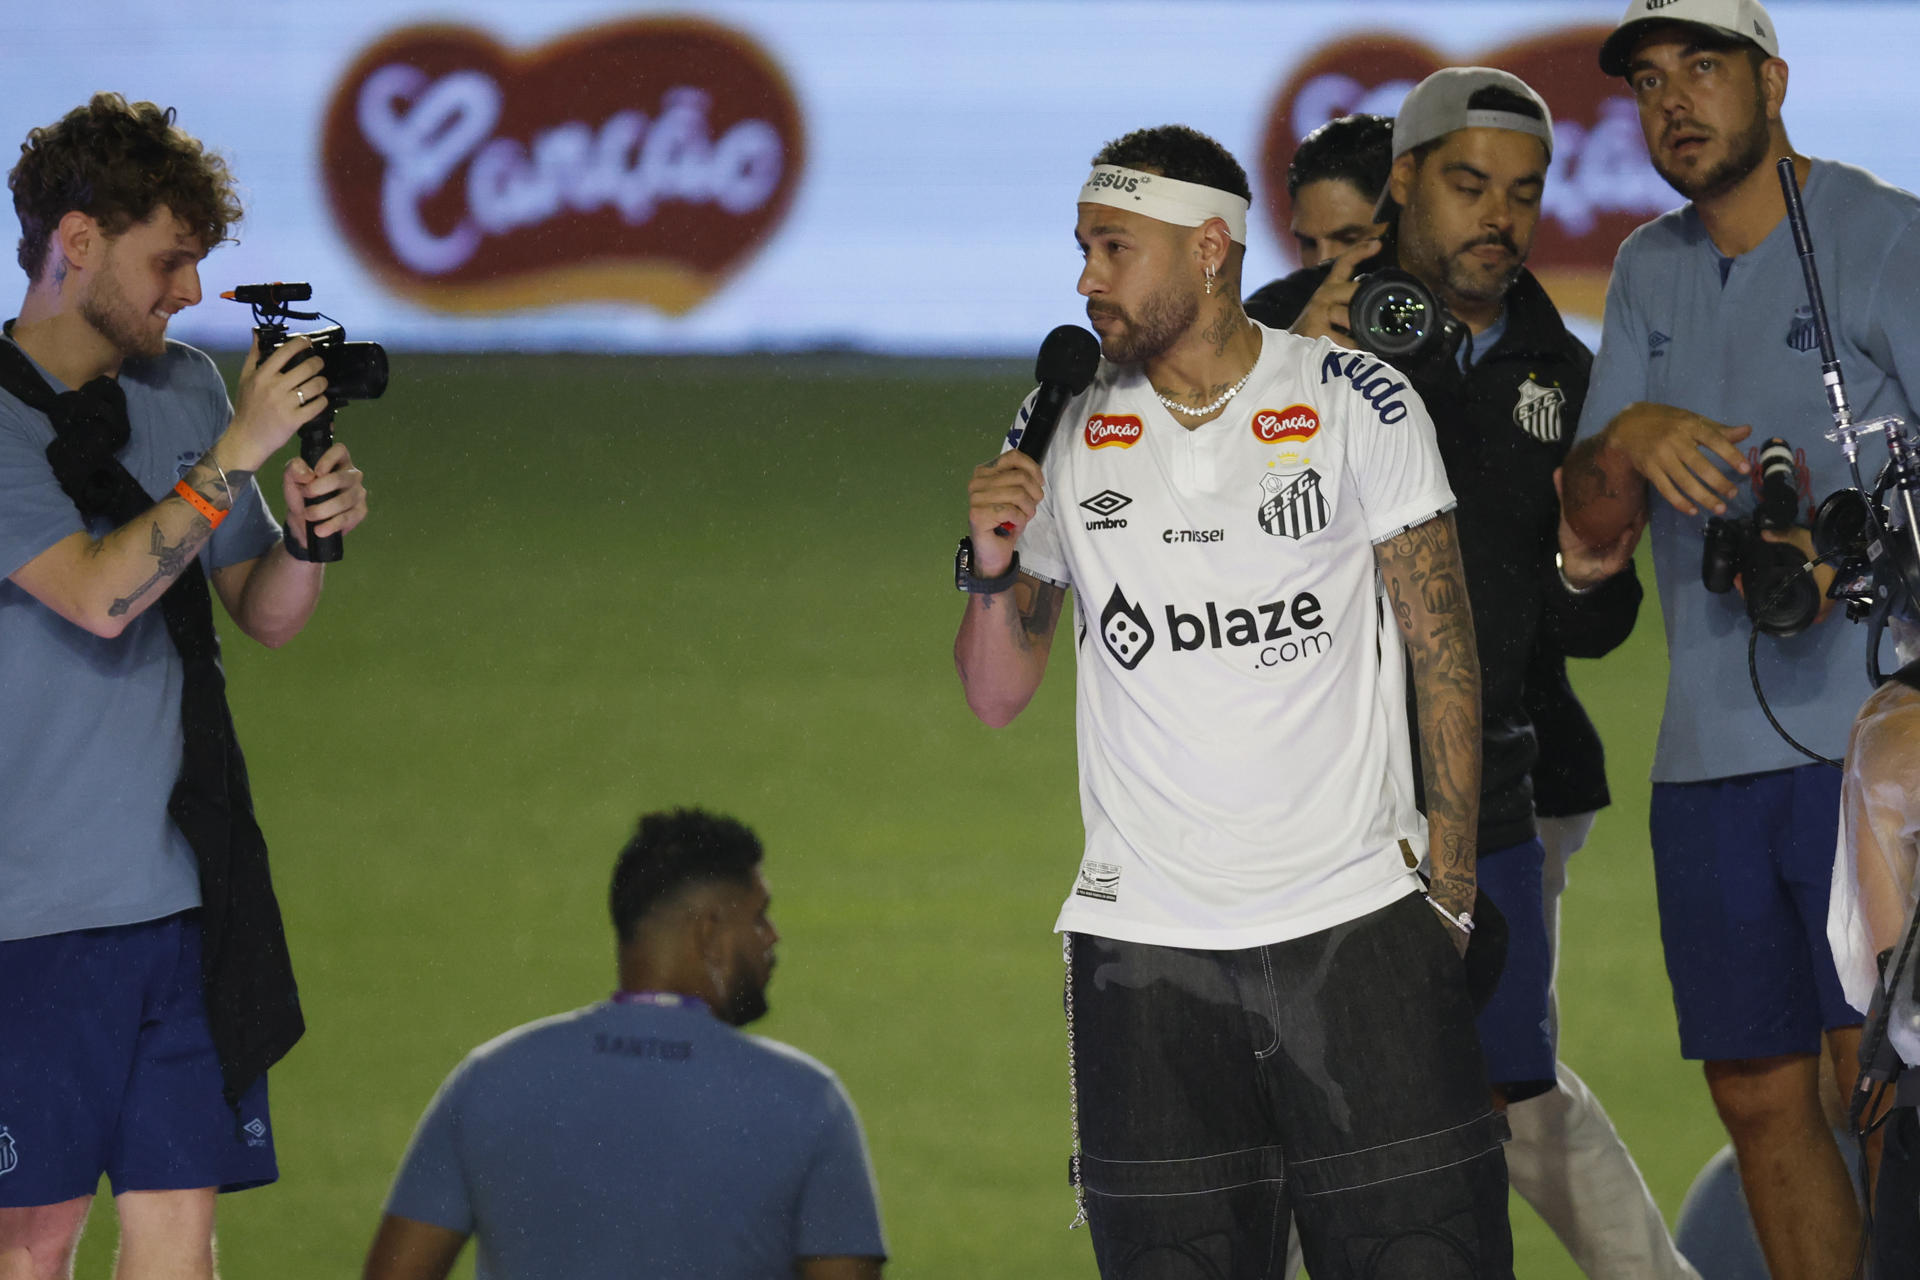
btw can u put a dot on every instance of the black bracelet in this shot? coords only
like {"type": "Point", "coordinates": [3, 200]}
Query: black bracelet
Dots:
{"type": "Point", "coordinates": [963, 577]}
{"type": "Point", "coordinates": [294, 549]}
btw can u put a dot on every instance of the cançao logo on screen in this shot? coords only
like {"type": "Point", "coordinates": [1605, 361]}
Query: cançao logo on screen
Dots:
{"type": "Point", "coordinates": [641, 161]}
{"type": "Point", "coordinates": [1600, 185]}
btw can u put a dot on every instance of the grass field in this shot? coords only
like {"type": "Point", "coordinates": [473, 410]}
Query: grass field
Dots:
{"type": "Point", "coordinates": [594, 586]}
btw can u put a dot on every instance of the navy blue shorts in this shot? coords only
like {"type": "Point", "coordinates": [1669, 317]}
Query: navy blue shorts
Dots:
{"type": "Point", "coordinates": [1742, 866]}
{"type": "Point", "coordinates": [107, 1066]}
{"type": "Point", "coordinates": [1516, 1027]}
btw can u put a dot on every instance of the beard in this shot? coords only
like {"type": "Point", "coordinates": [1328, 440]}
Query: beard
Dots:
{"type": "Point", "coordinates": [1460, 276]}
{"type": "Point", "coordinates": [130, 330]}
{"type": "Point", "coordinates": [1164, 318]}
{"type": "Point", "coordinates": [1745, 152]}
{"type": "Point", "coordinates": [1478, 281]}
{"type": "Point", "coordinates": [745, 999]}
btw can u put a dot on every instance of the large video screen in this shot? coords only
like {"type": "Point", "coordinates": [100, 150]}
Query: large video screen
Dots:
{"type": "Point", "coordinates": [882, 176]}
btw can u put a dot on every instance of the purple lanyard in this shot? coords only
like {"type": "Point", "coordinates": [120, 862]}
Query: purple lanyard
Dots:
{"type": "Point", "coordinates": [659, 999]}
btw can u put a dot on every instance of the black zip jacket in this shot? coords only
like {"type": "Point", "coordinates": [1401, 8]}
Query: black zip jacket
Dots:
{"type": "Point", "coordinates": [1503, 427]}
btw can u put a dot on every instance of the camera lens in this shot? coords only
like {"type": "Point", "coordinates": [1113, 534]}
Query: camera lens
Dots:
{"type": "Point", "coordinates": [1393, 315]}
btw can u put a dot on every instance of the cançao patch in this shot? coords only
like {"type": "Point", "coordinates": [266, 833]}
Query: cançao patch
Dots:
{"type": "Point", "coordinates": [1296, 422]}
{"type": "Point", "coordinates": [1120, 430]}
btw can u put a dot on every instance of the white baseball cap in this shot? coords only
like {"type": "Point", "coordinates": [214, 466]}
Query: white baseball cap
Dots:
{"type": "Point", "coordinates": [1438, 105]}
{"type": "Point", "coordinates": [1740, 19]}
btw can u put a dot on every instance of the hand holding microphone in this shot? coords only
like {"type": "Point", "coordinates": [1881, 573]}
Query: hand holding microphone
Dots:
{"type": "Point", "coordinates": [1068, 359]}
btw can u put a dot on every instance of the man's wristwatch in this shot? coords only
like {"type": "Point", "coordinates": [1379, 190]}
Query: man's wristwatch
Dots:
{"type": "Point", "coordinates": [963, 579]}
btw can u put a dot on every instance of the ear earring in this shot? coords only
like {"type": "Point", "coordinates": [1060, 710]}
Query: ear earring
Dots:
{"type": "Point", "coordinates": [1209, 271]}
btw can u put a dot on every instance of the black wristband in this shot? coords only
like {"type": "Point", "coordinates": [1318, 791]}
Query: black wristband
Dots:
{"type": "Point", "coordinates": [294, 549]}
{"type": "Point", "coordinates": [964, 580]}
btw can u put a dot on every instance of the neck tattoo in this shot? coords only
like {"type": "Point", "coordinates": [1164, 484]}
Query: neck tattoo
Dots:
{"type": "Point", "coordinates": [1204, 410]}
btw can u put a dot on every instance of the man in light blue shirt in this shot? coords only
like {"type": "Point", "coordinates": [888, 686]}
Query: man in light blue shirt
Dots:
{"type": "Point", "coordinates": [644, 1135]}
{"type": "Point", "coordinates": [1708, 350]}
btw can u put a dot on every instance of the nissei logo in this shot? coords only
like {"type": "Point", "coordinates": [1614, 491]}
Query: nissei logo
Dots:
{"type": "Point", "coordinates": [1121, 430]}
{"type": "Point", "coordinates": [1193, 535]}
{"type": "Point", "coordinates": [1370, 378]}
{"type": "Point", "coordinates": [1295, 422]}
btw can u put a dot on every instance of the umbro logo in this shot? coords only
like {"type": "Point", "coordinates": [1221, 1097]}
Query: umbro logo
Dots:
{"type": "Point", "coordinates": [1657, 344]}
{"type": "Point", "coordinates": [1104, 504]}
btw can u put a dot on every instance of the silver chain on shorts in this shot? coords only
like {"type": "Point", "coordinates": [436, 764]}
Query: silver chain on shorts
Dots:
{"type": "Point", "coordinates": [1073, 1092]}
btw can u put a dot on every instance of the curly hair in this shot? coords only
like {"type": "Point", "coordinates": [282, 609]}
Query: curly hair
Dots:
{"type": "Point", "coordinates": [1176, 151]}
{"type": "Point", "coordinates": [671, 851]}
{"type": "Point", "coordinates": [117, 162]}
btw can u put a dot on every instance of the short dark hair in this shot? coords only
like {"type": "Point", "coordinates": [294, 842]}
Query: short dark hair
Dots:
{"type": "Point", "coordinates": [1491, 97]}
{"type": "Point", "coordinates": [117, 162]}
{"type": "Point", "coordinates": [1356, 149]}
{"type": "Point", "coordinates": [1176, 151]}
{"type": "Point", "coordinates": [675, 850]}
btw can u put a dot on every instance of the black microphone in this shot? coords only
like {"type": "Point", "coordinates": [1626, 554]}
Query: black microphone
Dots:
{"type": "Point", "coordinates": [1068, 359]}
{"type": "Point", "coordinates": [1064, 368]}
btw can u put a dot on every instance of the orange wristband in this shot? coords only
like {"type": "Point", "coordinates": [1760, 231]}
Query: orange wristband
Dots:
{"type": "Point", "coordinates": [213, 514]}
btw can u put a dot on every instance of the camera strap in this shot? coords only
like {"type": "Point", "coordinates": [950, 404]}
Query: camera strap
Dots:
{"type": "Point", "coordinates": [253, 1006]}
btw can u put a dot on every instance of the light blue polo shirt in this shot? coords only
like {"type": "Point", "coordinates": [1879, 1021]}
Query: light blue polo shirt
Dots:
{"type": "Point", "coordinates": [1742, 350]}
{"type": "Point", "coordinates": [625, 1139]}
{"type": "Point", "coordinates": [90, 728]}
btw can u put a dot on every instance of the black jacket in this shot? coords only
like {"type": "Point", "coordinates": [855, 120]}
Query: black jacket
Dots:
{"type": "Point", "coordinates": [1503, 427]}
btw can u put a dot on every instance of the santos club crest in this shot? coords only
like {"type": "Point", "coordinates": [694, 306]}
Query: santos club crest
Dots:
{"type": "Point", "coordinates": [1292, 504]}
{"type": "Point", "coordinates": [1537, 411]}
{"type": "Point", "coordinates": [9, 1154]}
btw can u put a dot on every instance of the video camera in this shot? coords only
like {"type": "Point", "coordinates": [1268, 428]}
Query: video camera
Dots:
{"type": "Point", "coordinates": [353, 370]}
{"type": "Point", "coordinates": [1780, 596]}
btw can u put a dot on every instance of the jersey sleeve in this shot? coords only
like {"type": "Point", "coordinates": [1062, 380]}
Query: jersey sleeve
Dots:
{"type": "Point", "coordinates": [839, 1214]}
{"type": "Point", "coordinates": [431, 1186]}
{"type": "Point", "coordinates": [35, 512]}
{"type": "Point", "coordinates": [1620, 368]}
{"type": "Point", "coordinates": [1893, 340]}
{"type": "Point", "coordinates": [1041, 554]}
{"type": "Point", "coordinates": [1392, 451]}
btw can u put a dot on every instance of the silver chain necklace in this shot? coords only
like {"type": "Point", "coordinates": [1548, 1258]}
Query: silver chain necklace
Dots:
{"type": "Point", "coordinates": [1202, 412]}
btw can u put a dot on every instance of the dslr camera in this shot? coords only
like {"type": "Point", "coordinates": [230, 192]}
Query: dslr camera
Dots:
{"type": "Point", "coordinates": [1780, 594]}
{"type": "Point", "coordinates": [1396, 316]}
{"type": "Point", "coordinates": [353, 370]}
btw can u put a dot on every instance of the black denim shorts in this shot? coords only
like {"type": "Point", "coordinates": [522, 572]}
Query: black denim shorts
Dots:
{"type": "Point", "coordinates": [1336, 1077]}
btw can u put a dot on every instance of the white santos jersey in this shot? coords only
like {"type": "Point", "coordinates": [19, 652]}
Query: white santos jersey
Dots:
{"type": "Point", "coordinates": [1244, 761]}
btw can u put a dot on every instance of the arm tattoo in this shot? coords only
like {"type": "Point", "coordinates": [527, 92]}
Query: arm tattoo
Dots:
{"type": "Point", "coordinates": [169, 561]}
{"type": "Point", "coordinates": [1582, 478]}
{"type": "Point", "coordinates": [1428, 594]}
{"type": "Point", "coordinates": [222, 489]}
{"type": "Point", "coordinates": [1035, 612]}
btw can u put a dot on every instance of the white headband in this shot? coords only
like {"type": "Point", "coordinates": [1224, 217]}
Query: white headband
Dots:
{"type": "Point", "coordinates": [1184, 204]}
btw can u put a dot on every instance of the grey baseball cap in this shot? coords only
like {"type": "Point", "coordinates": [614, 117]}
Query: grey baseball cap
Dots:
{"type": "Point", "coordinates": [1740, 19]}
{"type": "Point", "coordinates": [1438, 105]}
